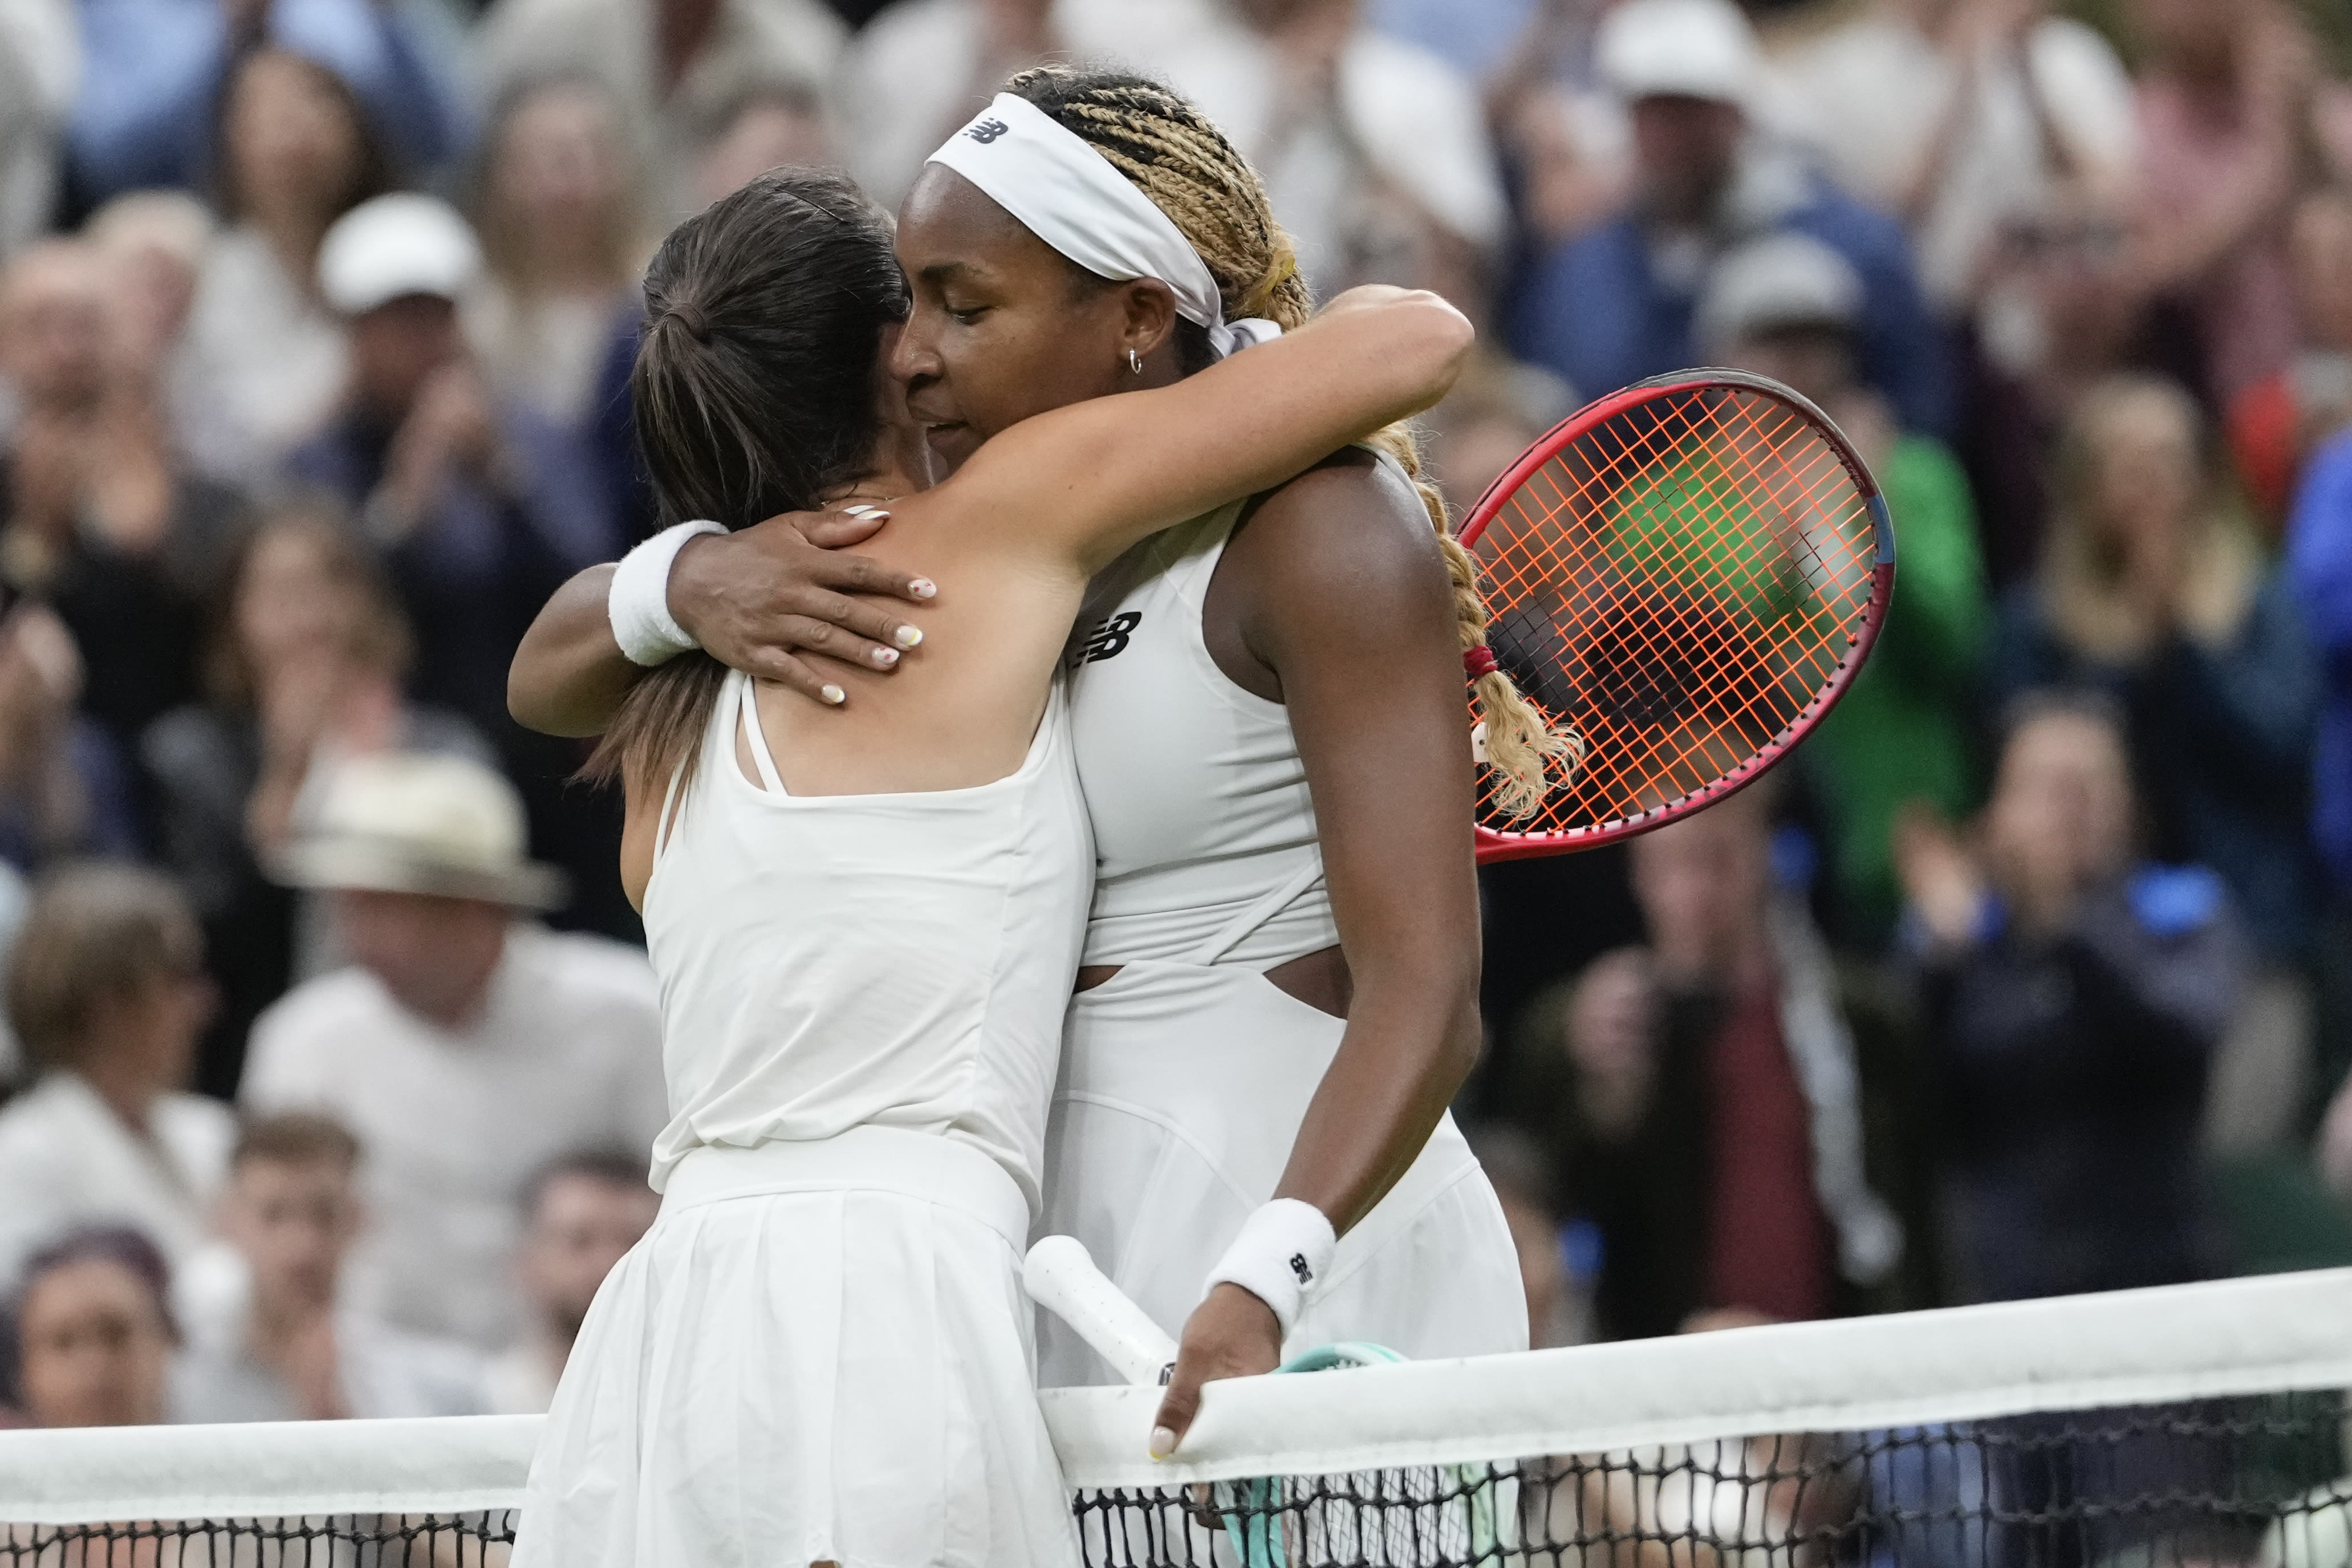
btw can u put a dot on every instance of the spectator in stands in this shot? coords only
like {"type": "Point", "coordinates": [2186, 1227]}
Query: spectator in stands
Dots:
{"type": "Point", "coordinates": [2276, 424]}
{"type": "Point", "coordinates": [1735, 1117]}
{"type": "Point", "coordinates": [677, 65]}
{"type": "Point", "coordinates": [64, 790]}
{"type": "Point", "coordinates": [153, 69]}
{"type": "Point", "coordinates": [2077, 996]}
{"type": "Point", "coordinates": [91, 1336]}
{"type": "Point", "coordinates": [1615, 304]}
{"type": "Point", "coordinates": [154, 244]}
{"type": "Point", "coordinates": [561, 207]}
{"type": "Point", "coordinates": [467, 1047]}
{"type": "Point", "coordinates": [297, 1351]}
{"type": "Point", "coordinates": [106, 993]}
{"type": "Point", "coordinates": [40, 70]}
{"type": "Point", "coordinates": [581, 1214]}
{"type": "Point", "coordinates": [482, 507]}
{"type": "Point", "coordinates": [1789, 307]}
{"type": "Point", "coordinates": [919, 69]}
{"type": "Point", "coordinates": [769, 125]}
{"type": "Point", "coordinates": [264, 358]}
{"type": "Point", "coordinates": [308, 656]}
{"type": "Point", "coordinates": [1963, 117]}
{"type": "Point", "coordinates": [2226, 96]}
{"type": "Point", "coordinates": [101, 521]}
{"type": "Point", "coordinates": [2153, 590]}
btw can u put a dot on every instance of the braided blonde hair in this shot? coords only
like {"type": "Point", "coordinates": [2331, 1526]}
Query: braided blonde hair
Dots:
{"type": "Point", "coordinates": [1184, 164]}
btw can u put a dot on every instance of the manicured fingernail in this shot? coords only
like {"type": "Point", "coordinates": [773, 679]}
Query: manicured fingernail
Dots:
{"type": "Point", "coordinates": [836, 695]}
{"type": "Point", "coordinates": [923, 588]}
{"type": "Point", "coordinates": [908, 637]}
{"type": "Point", "coordinates": [869, 514]}
{"type": "Point", "coordinates": [1163, 1442]}
{"type": "Point", "coordinates": [886, 657]}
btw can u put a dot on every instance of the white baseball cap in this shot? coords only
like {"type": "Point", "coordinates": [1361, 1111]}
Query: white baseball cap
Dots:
{"type": "Point", "coordinates": [418, 822]}
{"type": "Point", "coordinates": [1680, 48]}
{"type": "Point", "coordinates": [396, 245]}
{"type": "Point", "coordinates": [1779, 281]}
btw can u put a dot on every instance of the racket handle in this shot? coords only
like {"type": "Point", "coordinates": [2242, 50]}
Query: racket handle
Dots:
{"type": "Point", "coordinates": [1061, 1277]}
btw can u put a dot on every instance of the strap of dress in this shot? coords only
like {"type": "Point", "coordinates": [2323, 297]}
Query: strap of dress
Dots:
{"type": "Point", "coordinates": [1275, 899]}
{"type": "Point", "coordinates": [747, 700]}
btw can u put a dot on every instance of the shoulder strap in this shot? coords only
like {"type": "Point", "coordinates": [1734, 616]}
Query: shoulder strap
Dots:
{"type": "Point", "coordinates": [747, 703]}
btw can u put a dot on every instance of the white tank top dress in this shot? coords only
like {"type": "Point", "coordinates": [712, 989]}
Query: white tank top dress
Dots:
{"type": "Point", "coordinates": [821, 1352]}
{"type": "Point", "coordinates": [1185, 1078]}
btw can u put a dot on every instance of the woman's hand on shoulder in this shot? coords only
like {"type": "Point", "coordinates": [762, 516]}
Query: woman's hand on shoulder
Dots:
{"type": "Point", "coordinates": [759, 598]}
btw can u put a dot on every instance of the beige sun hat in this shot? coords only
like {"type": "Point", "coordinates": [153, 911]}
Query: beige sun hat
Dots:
{"type": "Point", "coordinates": [417, 822]}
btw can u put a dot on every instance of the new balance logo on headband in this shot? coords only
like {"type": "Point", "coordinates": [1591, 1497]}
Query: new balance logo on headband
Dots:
{"type": "Point", "coordinates": [1109, 639]}
{"type": "Point", "coordinates": [987, 130]}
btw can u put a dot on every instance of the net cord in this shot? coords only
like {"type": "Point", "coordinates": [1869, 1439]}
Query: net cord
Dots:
{"type": "Point", "coordinates": [2266, 1335]}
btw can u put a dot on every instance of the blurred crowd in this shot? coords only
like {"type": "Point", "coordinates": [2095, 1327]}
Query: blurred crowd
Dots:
{"type": "Point", "coordinates": [331, 1064]}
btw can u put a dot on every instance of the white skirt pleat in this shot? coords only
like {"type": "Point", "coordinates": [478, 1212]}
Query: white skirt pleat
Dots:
{"type": "Point", "coordinates": [786, 1378]}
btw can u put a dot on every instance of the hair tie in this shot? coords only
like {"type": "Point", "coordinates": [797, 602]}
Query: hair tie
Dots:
{"type": "Point", "coordinates": [690, 316]}
{"type": "Point", "coordinates": [1478, 661]}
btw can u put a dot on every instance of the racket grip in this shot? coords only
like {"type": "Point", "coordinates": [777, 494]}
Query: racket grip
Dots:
{"type": "Point", "coordinates": [1061, 1277]}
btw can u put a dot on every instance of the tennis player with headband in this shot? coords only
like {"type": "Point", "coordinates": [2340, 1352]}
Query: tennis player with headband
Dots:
{"type": "Point", "coordinates": [1279, 992]}
{"type": "Point", "coordinates": [864, 922]}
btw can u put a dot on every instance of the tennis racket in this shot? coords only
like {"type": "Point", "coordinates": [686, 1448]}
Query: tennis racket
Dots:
{"type": "Point", "coordinates": [1687, 573]}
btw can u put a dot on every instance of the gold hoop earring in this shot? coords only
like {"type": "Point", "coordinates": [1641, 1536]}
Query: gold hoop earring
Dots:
{"type": "Point", "coordinates": [1135, 362]}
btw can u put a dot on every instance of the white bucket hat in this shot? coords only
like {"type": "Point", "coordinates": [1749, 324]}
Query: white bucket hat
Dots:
{"type": "Point", "coordinates": [414, 822]}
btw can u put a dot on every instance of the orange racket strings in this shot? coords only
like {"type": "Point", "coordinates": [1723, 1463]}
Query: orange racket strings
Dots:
{"type": "Point", "coordinates": [1680, 583]}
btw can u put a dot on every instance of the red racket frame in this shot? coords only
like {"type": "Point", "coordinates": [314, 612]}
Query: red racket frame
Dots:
{"type": "Point", "coordinates": [1495, 846]}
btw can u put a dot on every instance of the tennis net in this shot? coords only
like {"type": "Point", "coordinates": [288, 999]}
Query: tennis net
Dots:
{"type": "Point", "coordinates": [2196, 1426]}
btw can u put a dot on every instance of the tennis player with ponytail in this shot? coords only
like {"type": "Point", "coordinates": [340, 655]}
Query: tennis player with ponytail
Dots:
{"type": "Point", "coordinates": [1279, 991]}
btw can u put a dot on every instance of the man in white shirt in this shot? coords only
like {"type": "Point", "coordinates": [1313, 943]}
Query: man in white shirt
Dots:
{"type": "Point", "coordinates": [467, 1047]}
{"type": "Point", "coordinates": [581, 1214]}
{"type": "Point", "coordinates": [295, 1351]}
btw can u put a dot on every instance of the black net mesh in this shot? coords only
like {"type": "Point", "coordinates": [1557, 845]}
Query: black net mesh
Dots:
{"type": "Point", "coordinates": [342, 1540]}
{"type": "Point", "coordinates": [2209, 1484]}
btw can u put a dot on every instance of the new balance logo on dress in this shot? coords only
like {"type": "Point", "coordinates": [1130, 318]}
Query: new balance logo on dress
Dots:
{"type": "Point", "coordinates": [1109, 639]}
{"type": "Point", "coordinates": [1299, 1267]}
{"type": "Point", "coordinates": [987, 130]}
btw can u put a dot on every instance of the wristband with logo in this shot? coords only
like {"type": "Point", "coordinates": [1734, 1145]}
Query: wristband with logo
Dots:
{"type": "Point", "coordinates": [1281, 1255]}
{"type": "Point", "coordinates": [638, 600]}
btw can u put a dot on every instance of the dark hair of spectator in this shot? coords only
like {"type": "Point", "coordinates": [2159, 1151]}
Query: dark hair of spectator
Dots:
{"type": "Point", "coordinates": [613, 1167]}
{"type": "Point", "coordinates": [1513, 1162]}
{"type": "Point", "coordinates": [755, 394]}
{"type": "Point", "coordinates": [295, 1138]}
{"type": "Point", "coordinates": [119, 1245]}
{"type": "Point", "coordinates": [95, 933]}
{"type": "Point", "coordinates": [378, 636]}
{"type": "Point", "coordinates": [504, 246]}
{"type": "Point", "coordinates": [372, 173]}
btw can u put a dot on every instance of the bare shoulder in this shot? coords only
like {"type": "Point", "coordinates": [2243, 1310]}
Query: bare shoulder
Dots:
{"type": "Point", "coordinates": [1351, 527]}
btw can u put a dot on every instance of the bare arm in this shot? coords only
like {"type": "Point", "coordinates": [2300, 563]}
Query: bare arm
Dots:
{"type": "Point", "coordinates": [749, 598]}
{"type": "Point", "coordinates": [1376, 356]}
{"type": "Point", "coordinates": [1345, 599]}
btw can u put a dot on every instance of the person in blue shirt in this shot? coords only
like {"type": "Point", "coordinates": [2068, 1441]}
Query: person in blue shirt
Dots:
{"type": "Point", "coordinates": [2319, 571]}
{"type": "Point", "coordinates": [154, 71]}
{"type": "Point", "coordinates": [1614, 305]}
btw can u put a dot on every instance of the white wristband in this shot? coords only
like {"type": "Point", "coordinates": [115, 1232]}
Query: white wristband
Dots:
{"type": "Point", "coordinates": [638, 601]}
{"type": "Point", "coordinates": [1280, 1257]}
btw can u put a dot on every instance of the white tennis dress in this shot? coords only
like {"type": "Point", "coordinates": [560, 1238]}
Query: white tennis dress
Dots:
{"type": "Point", "coordinates": [821, 1352]}
{"type": "Point", "coordinates": [1185, 1078]}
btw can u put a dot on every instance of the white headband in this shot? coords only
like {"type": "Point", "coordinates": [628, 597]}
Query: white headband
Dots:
{"type": "Point", "coordinates": [1071, 197]}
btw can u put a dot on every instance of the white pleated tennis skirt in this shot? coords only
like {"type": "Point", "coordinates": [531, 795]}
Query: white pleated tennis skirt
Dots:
{"type": "Point", "coordinates": [820, 1353]}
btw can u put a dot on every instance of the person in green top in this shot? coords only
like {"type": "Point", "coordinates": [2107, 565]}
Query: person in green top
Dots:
{"type": "Point", "coordinates": [1788, 306]}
